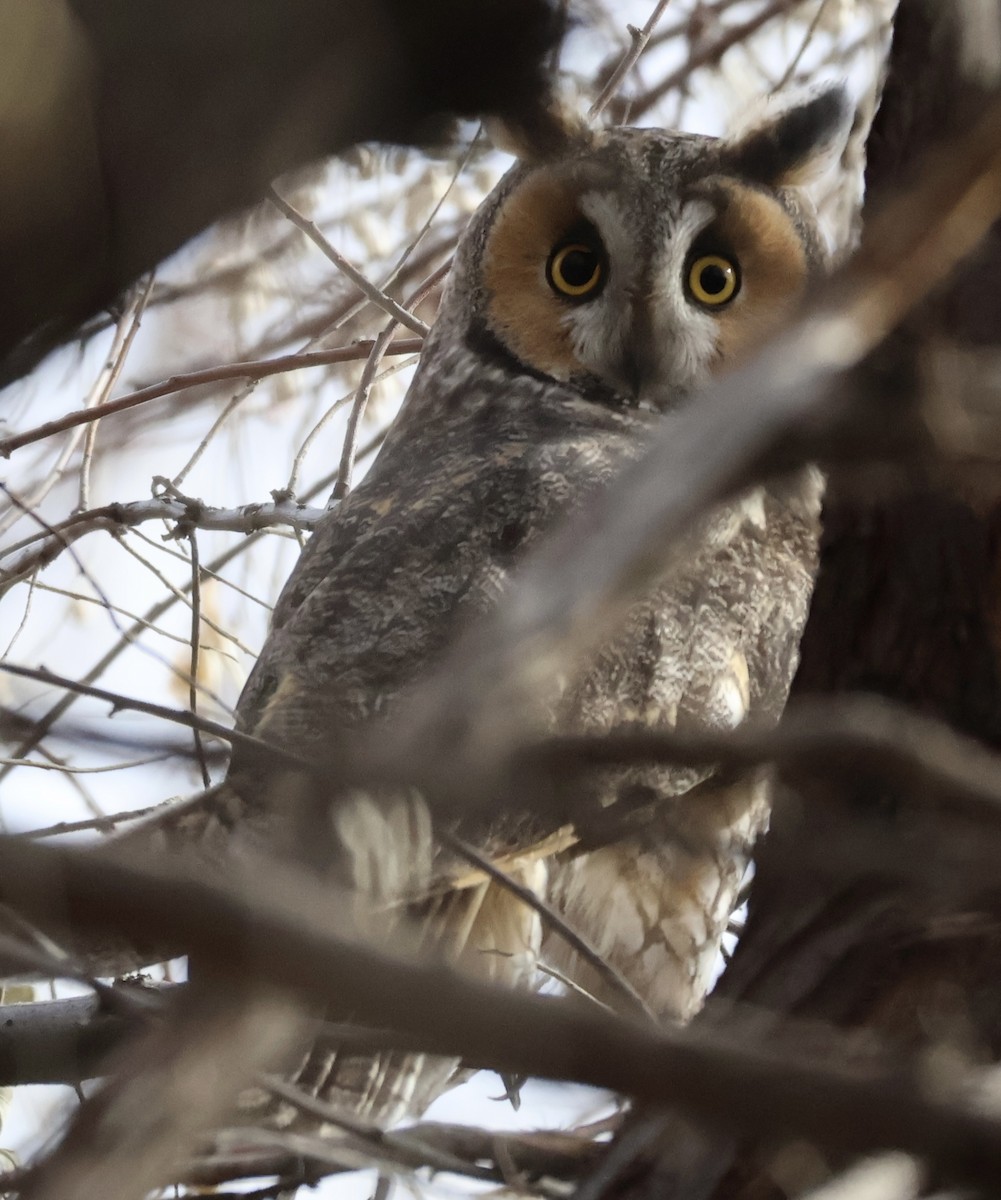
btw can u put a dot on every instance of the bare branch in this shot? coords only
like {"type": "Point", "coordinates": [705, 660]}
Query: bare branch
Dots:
{"type": "Point", "coordinates": [254, 369]}
{"type": "Point", "coordinates": [103, 824]}
{"type": "Point", "coordinates": [711, 54]}
{"type": "Point", "coordinates": [129, 326]}
{"type": "Point", "coordinates": [59, 1041]}
{"type": "Point", "coordinates": [176, 716]}
{"type": "Point", "coordinates": [65, 769]}
{"type": "Point", "coordinates": [399, 1149]}
{"type": "Point", "coordinates": [381, 344]}
{"type": "Point", "coordinates": [189, 513]}
{"type": "Point", "coordinates": [153, 614]}
{"type": "Point", "coordinates": [196, 631]}
{"type": "Point", "coordinates": [639, 40]}
{"type": "Point", "coordinates": [390, 306]}
{"type": "Point", "coordinates": [177, 1078]}
{"type": "Point", "coordinates": [794, 62]}
{"type": "Point", "coordinates": [554, 1153]}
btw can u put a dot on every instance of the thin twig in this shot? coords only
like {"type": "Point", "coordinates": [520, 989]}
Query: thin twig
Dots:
{"type": "Point", "coordinates": [64, 769]}
{"type": "Point", "coordinates": [176, 716]}
{"type": "Point", "coordinates": [710, 54]}
{"type": "Point", "coordinates": [15, 636]}
{"type": "Point", "coordinates": [572, 985]}
{"type": "Point", "coordinates": [251, 369]}
{"type": "Point", "coordinates": [790, 70]}
{"type": "Point", "coordinates": [207, 573]}
{"type": "Point", "coordinates": [639, 39]}
{"type": "Point", "coordinates": [58, 539]}
{"type": "Point", "coordinates": [346, 467]}
{"type": "Point", "coordinates": [196, 627]}
{"type": "Point", "coordinates": [138, 306]}
{"type": "Point", "coordinates": [292, 486]}
{"type": "Point", "coordinates": [90, 802]}
{"type": "Point", "coordinates": [613, 978]}
{"type": "Point", "coordinates": [183, 595]}
{"type": "Point", "coordinates": [390, 306]}
{"type": "Point", "coordinates": [104, 824]}
{"type": "Point", "coordinates": [369, 375]}
{"type": "Point", "coordinates": [83, 598]}
{"type": "Point", "coordinates": [90, 734]}
{"type": "Point", "coordinates": [230, 407]}
{"type": "Point", "coordinates": [30, 503]}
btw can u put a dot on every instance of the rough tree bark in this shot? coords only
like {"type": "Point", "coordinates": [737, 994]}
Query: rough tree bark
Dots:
{"type": "Point", "coordinates": [860, 915]}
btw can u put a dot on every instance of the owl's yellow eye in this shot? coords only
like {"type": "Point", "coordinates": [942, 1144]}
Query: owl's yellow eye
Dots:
{"type": "Point", "coordinates": [575, 270]}
{"type": "Point", "coordinates": [713, 280]}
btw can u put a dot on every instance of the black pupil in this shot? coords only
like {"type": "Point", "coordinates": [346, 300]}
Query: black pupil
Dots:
{"type": "Point", "coordinates": [713, 279]}
{"type": "Point", "coordinates": [577, 267]}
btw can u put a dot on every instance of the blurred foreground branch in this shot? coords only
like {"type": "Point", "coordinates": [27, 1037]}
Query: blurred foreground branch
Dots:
{"type": "Point", "coordinates": [281, 938]}
{"type": "Point", "coordinates": [103, 178]}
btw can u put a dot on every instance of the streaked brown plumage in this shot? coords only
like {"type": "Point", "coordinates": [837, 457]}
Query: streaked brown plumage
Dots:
{"type": "Point", "coordinates": [529, 397]}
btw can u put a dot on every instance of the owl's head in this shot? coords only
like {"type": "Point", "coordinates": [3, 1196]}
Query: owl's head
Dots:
{"type": "Point", "coordinates": [636, 261]}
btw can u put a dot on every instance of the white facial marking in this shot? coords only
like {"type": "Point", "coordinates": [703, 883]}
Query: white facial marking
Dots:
{"type": "Point", "coordinates": [600, 328]}
{"type": "Point", "coordinates": [689, 333]}
{"type": "Point", "coordinates": [685, 336]}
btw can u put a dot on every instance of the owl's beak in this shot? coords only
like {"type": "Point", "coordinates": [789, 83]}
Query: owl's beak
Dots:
{"type": "Point", "coordinates": [642, 365]}
{"type": "Point", "coordinates": [640, 373]}
{"type": "Point", "coordinates": [637, 375]}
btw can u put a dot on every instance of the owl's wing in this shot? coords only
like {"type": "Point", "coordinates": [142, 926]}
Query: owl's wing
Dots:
{"type": "Point", "coordinates": [716, 647]}
{"type": "Point", "coordinates": [426, 542]}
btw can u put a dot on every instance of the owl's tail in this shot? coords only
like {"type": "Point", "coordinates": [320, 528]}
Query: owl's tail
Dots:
{"type": "Point", "coordinates": [657, 909]}
{"type": "Point", "coordinates": [483, 931]}
{"type": "Point", "coordinates": [481, 928]}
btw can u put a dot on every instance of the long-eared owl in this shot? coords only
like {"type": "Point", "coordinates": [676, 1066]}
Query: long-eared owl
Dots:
{"type": "Point", "coordinates": [593, 293]}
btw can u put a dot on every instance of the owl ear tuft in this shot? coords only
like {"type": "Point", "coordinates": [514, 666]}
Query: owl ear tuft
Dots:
{"type": "Point", "coordinates": [555, 130]}
{"type": "Point", "coordinates": [794, 146]}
